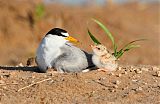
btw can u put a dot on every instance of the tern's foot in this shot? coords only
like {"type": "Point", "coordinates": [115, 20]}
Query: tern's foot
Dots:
{"type": "Point", "coordinates": [50, 70]}
{"type": "Point", "coordinates": [53, 72]}
{"type": "Point", "coordinates": [102, 69]}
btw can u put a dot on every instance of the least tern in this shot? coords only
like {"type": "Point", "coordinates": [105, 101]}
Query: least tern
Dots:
{"type": "Point", "coordinates": [57, 51]}
{"type": "Point", "coordinates": [103, 59]}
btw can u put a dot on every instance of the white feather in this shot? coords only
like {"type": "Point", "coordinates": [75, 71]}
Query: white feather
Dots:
{"type": "Point", "coordinates": [65, 34]}
{"type": "Point", "coordinates": [48, 50]}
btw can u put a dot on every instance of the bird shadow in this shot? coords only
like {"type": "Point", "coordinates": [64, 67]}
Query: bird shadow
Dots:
{"type": "Point", "coordinates": [25, 68]}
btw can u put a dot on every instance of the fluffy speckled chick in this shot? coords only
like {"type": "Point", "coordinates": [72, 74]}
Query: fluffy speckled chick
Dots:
{"type": "Point", "coordinates": [103, 59]}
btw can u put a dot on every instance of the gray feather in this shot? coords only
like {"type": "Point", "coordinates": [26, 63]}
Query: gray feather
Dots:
{"type": "Point", "coordinates": [72, 59]}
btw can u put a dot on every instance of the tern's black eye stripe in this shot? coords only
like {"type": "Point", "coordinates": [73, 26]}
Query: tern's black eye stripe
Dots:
{"type": "Point", "coordinates": [57, 31]}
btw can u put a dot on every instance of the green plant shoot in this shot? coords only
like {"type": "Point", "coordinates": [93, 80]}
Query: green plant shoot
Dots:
{"type": "Point", "coordinates": [93, 38]}
{"type": "Point", "coordinates": [116, 53]}
{"type": "Point", "coordinates": [39, 11]}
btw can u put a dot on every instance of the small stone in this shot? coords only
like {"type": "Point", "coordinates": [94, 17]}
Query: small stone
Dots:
{"type": "Point", "coordinates": [125, 72]}
{"type": "Point", "coordinates": [4, 87]}
{"type": "Point", "coordinates": [20, 64]}
{"type": "Point", "coordinates": [131, 67]}
{"type": "Point", "coordinates": [120, 68]}
{"type": "Point", "coordinates": [158, 73]}
{"type": "Point", "coordinates": [134, 80]}
{"type": "Point", "coordinates": [117, 82]}
{"type": "Point", "coordinates": [14, 82]}
{"type": "Point", "coordinates": [33, 81]}
{"type": "Point", "coordinates": [119, 75]}
{"type": "Point", "coordinates": [155, 68]}
{"type": "Point", "coordinates": [125, 88]}
{"type": "Point", "coordinates": [139, 89]}
{"type": "Point", "coordinates": [111, 90]}
{"type": "Point", "coordinates": [2, 82]}
{"type": "Point", "coordinates": [138, 71]}
{"type": "Point", "coordinates": [145, 83]}
{"type": "Point", "coordinates": [111, 73]}
{"type": "Point", "coordinates": [6, 75]}
{"type": "Point", "coordinates": [49, 74]}
{"type": "Point", "coordinates": [115, 86]}
{"type": "Point", "coordinates": [103, 78]}
{"type": "Point", "coordinates": [155, 80]}
{"type": "Point", "coordinates": [145, 69]}
{"type": "Point", "coordinates": [50, 82]}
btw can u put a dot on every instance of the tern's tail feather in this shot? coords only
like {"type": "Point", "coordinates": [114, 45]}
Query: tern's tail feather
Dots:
{"type": "Point", "coordinates": [89, 59]}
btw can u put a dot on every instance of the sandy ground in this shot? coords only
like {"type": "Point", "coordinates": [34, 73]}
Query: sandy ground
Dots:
{"type": "Point", "coordinates": [128, 85]}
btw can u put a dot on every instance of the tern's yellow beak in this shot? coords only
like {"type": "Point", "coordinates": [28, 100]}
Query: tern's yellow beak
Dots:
{"type": "Point", "coordinates": [71, 39]}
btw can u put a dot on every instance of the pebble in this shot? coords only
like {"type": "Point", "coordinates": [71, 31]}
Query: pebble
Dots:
{"type": "Point", "coordinates": [155, 68]}
{"type": "Point", "coordinates": [20, 64]}
{"type": "Point", "coordinates": [144, 69]}
{"type": "Point", "coordinates": [125, 88]}
{"type": "Point", "coordinates": [49, 74]}
{"type": "Point", "coordinates": [119, 75]}
{"type": "Point", "coordinates": [125, 72]}
{"type": "Point", "coordinates": [4, 87]}
{"type": "Point", "coordinates": [131, 67]}
{"type": "Point", "coordinates": [155, 81]}
{"type": "Point", "coordinates": [2, 82]}
{"type": "Point", "coordinates": [120, 68]}
{"type": "Point", "coordinates": [134, 80]}
{"type": "Point", "coordinates": [103, 78]}
{"type": "Point", "coordinates": [138, 71]}
{"type": "Point", "coordinates": [158, 73]}
{"type": "Point", "coordinates": [111, 73]}
{"type": "Point", "coordinates": [117, 82]}
{"type": "Point", "coordinates": [145, 83]}
{"type": "Point", "coordinates": [111, 90]}
{"type": "Point", "coordinates": [115, 86]}
{"type": "Point", "coordinates": [52, 81]}
{"type": "Point", "coordinates": [139, 89]}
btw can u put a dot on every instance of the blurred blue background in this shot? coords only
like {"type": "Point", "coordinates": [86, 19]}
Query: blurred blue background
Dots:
{"type": "Point", "coordinates": [101, 2]}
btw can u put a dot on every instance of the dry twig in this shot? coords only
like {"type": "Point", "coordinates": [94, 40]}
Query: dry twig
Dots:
{"type": "Point", "coordinates": [34, 84]}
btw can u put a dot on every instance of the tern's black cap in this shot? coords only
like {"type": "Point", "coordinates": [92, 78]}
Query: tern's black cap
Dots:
{"type": "Point", "coordinates": [57, 31]}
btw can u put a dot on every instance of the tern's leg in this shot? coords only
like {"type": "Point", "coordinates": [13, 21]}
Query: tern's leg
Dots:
{"type": "Point", "coordinates": [53, 71]}
{"type": "Point", "coordinates": [60, 70]}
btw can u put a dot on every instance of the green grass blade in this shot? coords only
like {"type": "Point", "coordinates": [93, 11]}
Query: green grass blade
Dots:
{"type": "Point", "coordinates": [93, 38]}
{"type": "Point", "coordinates": [122, 51]}
{"type": "Point", "coordinates": [120, 54]}
{"type": "Point", "coordinates": [131, 46]}
{"type": "Point", "coordinates": [115, 50]}
{"type": "Point", "coordinates": [106, 31]}
{"type": "Point", "coordinates": [133, 42]}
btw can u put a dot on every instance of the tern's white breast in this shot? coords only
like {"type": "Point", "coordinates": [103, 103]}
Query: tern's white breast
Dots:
{"type": "Point", "coordinates": [49, 50]}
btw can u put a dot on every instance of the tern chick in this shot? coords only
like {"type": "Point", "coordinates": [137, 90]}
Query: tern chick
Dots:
{"type": "Point", "coordinates": [103, 59]}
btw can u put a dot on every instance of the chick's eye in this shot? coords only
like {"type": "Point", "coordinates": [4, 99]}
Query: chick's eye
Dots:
{"type": "Point", "coordinates": [98, 48]}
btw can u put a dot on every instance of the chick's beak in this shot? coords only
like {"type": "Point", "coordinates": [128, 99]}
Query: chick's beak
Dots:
{"type": "Point", "coordinates": [91, 46]}
{"type": "Point", "coordinates": [71, 39]}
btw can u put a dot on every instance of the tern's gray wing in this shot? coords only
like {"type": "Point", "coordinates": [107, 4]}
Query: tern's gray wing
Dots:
{"type": "Point", "coordinates": [72, 59]}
